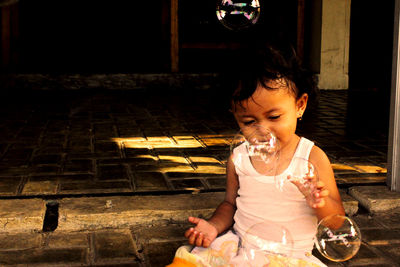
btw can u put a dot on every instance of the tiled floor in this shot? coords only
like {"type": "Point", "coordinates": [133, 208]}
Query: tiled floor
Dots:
{"type": "Point", "coordinates": [131, 142]}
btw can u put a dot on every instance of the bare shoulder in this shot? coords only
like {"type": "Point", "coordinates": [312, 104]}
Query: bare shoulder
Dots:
{"type": "Point", "coordinates": [324, 168]}
{"type": "Point", "coordinates": [318, 157]}
{"type": "Point", "coordinates": [323, 165]}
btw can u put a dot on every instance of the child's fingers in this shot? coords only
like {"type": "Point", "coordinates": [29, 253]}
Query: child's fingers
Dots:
{"type": "Point", "coordinates": [320, 184]}
{"type": "Point", "coordinates": [189, 232]}
{"type": "Point", "coordinates": [192, 238]}
{"type": "Point", "coordinates": [293, 181]}
{"type": "Point", "coordinates": [194, 220]}
{"type": "Point", "coordinates": [199, 239]}
{"type": "Point", "coordinates": [206, 242]}
{"type": "Point", "coordinates": [321, 193]}
{"type": "Point", "coordinates": [324, 193]}
{"type": "Point", "coordinates": [320, 204]}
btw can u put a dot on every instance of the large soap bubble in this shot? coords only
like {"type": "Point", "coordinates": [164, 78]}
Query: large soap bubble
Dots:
{"type": "Point", "coordinates": [238, 14]}
{"type": "Point", "coordinates": [260, 146]}
{"type": "Point", "coordinates": [301, 177]}
{"type": "Point", "coordinates": [265, 241]}
{"type": "Point", "coordinates": [338, 238]}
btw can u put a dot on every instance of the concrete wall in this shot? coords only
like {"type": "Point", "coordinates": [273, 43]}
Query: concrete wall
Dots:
{"type": "Point", "coordinates": [330, 47]}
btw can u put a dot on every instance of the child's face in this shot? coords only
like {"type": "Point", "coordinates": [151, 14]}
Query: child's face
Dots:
{"type": "Point", "coordinates": [276, 110]}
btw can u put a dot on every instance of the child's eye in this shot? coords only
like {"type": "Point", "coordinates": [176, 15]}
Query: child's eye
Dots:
{"type": "Point", "coordinates": [274, 117]}
{"type": "Point", "coordinates": [248, 122]}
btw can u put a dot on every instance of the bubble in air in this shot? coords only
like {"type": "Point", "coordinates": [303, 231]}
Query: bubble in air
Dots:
{"type": "Point", "coordinates": [266, 240]}
{"type": "Point", "coordinates": [338, 238]}
{"type": "Point", "coordinates": [257, 145]}
{"type": "Point", "coordinates": [301, 173]}
{"type": "Point", "coordinates": [238, 14]}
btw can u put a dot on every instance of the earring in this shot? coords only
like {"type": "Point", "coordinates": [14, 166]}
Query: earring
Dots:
{"type": "Point", "coordinates": [300, 117]}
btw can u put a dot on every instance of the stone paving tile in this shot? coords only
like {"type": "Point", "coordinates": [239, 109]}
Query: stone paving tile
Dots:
{"type": "Point", "coordinates": [9, 185]}
{"type": "Point", "coordinates": [377, 237]}
{"type": "Point", "coordinates": [78, 166]}
{"type": "Point", "coordinates": [366, 256]}
{"type": "Point", "coordinates": [95, 187]}
{"type": "Point", "coordinates": [390, 220]}
{"type": "Point", "coordinates": [112, 172]}
{"type": "Point", "coordinates": [22, 215]}
{"type": "Point", "coordinates": [160, 242]}
{"type": "Point", "coordinates": [393, 251]}
{"type": "Point", "coordinates": [367, 221]}
{"type": "Point", "coordinates": [67, 256]}
{"type": "Point", "coordinates": [40, 188]}
{"type": "Point", "coordinates": [112, 245]}
{"type": "Point", "coordinates": [65, 239]}
{"type": "Point", "coordinates": [10, 241]}
{"type": "Point", "coordinates": [216, 183]}
{"type": "Point", "coordinates": [150, 181]}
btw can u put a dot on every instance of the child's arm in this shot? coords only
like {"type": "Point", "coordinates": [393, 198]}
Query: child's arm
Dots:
{"type": "Point", "coordinates": [328, 201]}
{"type": "Point", "coordinates": [206, 231]}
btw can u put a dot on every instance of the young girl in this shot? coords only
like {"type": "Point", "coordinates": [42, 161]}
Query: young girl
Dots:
{"type": "Point", "coordinates": [272, 91]}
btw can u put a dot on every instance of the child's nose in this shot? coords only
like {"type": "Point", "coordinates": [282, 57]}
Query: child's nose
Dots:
{"type": "Point", "coordinates": [264, 126]}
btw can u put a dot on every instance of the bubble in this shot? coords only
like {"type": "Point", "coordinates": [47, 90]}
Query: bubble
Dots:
{"type": "Point", "coordinates": [260, 146]}
{"type": "Point", "coordinates": [265, 240]}
{"type": "Point", "coordinates": [301, 173]}
{"type": "Point", "coordinates": [338, 238]}
{"type": "Point", "coordinates": [238, 14]}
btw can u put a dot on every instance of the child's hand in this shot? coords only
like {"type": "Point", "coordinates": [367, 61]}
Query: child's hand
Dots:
{"type": "Point", "coordinates": [314, 193]}
{"type": "Point", "coordinates": [202, 234]}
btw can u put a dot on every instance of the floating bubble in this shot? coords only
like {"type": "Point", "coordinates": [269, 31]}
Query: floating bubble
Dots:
{"type": "Point", "coordinates": [338, 238]}
{"type": "Point", "coordinates": [264, 241]}
{"type": "Point", "coordinates": [260, 146]}
{"type": "Point", "coordinates": [301, 173]}
{"type": "Point", "coordinates": [238, 14]}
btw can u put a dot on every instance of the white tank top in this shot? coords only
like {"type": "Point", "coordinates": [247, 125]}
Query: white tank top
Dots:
{"type": "Point", "coordinates": [260, 201]}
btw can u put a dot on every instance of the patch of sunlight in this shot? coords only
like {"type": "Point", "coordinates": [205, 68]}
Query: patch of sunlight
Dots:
{"type": "Point", "coordinates": [146, 157]}
{"type": "Point", "coordinates": [211, 169]}
{"type": "Point", "coordinates": [378, 242]}
{"type": "Point", "coordinates": [175, 159]}
{"type": "Point", "coordinates": [158, 142]}
{"type": "Point", "coordinates": [158, 139]}
{"type": "Point", "coordinates": [204, 159]}
{"type": "Point", "coordinates": [215, 142]}
{"type": "Point", "coordinates": [195, 190]}
{"type": "Point", "coordinates": [186, 141]}
{"type": "Point", "coordinates": [178, 141]}
{"type": "Point", "coordinates": [342, 167]}
{"type": "Point", "coordinates": [211, 165]}
{"type": "Point", "coordinates": [371, 168]}
{"type": "Point", "coordinates": [179, 168]}
{"type": "Point", "coordinates": [189, 169]}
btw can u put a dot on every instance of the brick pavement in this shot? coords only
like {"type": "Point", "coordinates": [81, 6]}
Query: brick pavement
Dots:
{"type": "Point", "coordinates": [97, 143]}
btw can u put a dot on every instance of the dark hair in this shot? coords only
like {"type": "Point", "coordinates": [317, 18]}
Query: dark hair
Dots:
{"type": "Point", "coordinates": [255, 66]}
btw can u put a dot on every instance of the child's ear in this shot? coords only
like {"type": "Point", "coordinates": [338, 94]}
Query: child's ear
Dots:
{"type": "Point", "coordinates": [301, 104]}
